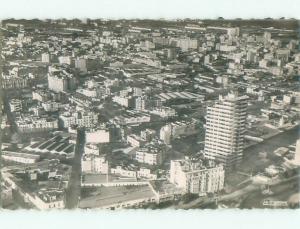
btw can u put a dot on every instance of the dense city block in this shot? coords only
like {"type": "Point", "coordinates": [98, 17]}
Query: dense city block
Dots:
{"type": "Point", "coordinates": [152, 114]}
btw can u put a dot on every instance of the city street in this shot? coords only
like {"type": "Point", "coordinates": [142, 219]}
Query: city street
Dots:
{"type": "Point", "coordinates": [207, 106]}
{"type": "Point", "coordinates": [73, 190]}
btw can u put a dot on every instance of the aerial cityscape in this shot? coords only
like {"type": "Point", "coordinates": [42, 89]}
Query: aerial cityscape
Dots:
{"type": "Point", "coordinates": [149, 114]}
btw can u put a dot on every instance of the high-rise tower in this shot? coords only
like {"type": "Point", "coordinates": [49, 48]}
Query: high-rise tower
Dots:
{"type": "Point", "coordinates": [225, 128]}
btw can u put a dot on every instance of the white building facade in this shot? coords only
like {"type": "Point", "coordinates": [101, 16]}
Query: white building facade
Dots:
{"type": "Point", "coordinates": [194, 177]}
{"type": "Point", "coordinates": [94, 164]}
{"type": "Point", "coordinates": [225, 128]}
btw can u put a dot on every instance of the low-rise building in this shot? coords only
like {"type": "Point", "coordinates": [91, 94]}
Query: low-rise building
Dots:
{"type": "Point", "coordinates": [135, 140]}
{"type": "Point", "coordinates": [164, 112]}
{"type": "Point", "coordinates": [123, 101]}
{"type": "Point", "coordinates": [124, 172]}
{"type": "Point", "coordinates": [148, 135]}
{"type": "Point", "coordinates": [149, 156]}
{"type": "Point", "coordinates": [79, 118]}
{"type": "Point", "coordinates": [15, 105]}
{"type": "Point", "coordinates": [40, 95]}
{"type": "Point", "coordinates": [145, 173]}
{"type": "Point", "coordinates": [178, 129]}
{"type": "Point", "coordinates": [29, 124]}
{"type": "Point", "coordinates": [51, 106]}
{"type": "Point", "coordinates": [131, 117]}
{"type": "Point", "coordinates": [58, 145]}
{"type": "Point", "coordinates": [14, 82]}
{"type": "Point", "coordinates": [91, 148]}
{"type": "Point", "coordinates": [44, 200]}
{"type": "Point", "coordinates": [91, 163]}
{"type": "Point", "coordinates": [20, 157]}
{"type": "Point", "coordinates": [97, 135]}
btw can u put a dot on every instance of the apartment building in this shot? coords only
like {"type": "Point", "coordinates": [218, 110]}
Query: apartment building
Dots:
{"type": "Point", "coordinates": [197, 176]}
{"type": "Point", "coordinates": [225, 128]}
{"type": "Point", "coordinates": [29, 124]}
{"type": "Point", "coordinates": [80, 118]}
{"type": "Point", "coordinates": [149, 156]}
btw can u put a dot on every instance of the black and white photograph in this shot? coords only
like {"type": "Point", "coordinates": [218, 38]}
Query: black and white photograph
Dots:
{"type": "Point", "coordinates": [150, 113]}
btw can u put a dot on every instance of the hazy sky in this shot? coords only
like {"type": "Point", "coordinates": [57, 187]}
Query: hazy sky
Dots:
{"type": "Point", "coordinates": [149, 8]}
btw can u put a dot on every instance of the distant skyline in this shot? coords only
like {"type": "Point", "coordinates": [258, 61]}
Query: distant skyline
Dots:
{"type": "Point", "coordinates": [272, 121]}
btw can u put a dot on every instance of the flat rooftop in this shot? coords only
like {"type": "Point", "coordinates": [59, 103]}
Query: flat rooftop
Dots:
{"type": "Point", "coordinates": [106, 196]}
{"type": "Point", "coordinates": [103, 178]}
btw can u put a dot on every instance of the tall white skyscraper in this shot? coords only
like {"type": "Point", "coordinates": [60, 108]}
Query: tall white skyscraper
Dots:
{"type": "Point", "coordinates": [225, 128]}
